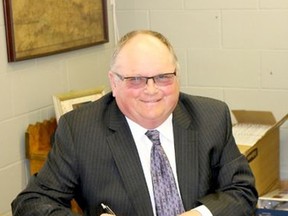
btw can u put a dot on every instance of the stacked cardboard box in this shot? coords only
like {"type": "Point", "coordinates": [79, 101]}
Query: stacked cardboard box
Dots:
{"type": "Point", "coordinates": [274, 203]}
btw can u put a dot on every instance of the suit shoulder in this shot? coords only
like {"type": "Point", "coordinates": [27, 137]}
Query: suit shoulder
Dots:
{"type": "Point", "coordinates": [204, 110]}
{"type": "Point", "coordinates": [200, 101]}
{"type": "Point", "coordinates": [93, 110]}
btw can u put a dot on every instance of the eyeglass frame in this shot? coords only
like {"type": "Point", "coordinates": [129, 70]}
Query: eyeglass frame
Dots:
{"type": "Point", "coordinates": [122, 78]}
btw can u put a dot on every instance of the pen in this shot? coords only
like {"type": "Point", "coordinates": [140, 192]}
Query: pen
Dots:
{"type": "Point", "coordinates": [107, 209]}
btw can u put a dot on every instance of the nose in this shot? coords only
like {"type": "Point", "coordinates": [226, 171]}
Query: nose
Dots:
{"type": "Point", "coordinates": [148, 78]}
{"type": "Point", "coordinates": [150, 85]}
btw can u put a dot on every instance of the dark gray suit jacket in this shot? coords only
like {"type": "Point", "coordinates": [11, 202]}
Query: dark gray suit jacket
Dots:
{"type": "Point", "coordinates": [94, 159]}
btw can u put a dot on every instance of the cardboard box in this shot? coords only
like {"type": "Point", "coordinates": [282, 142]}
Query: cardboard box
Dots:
{"type": "Point", "coordinates": [257, 136]}
{"type": "Point", "coordinates": [274, 203]}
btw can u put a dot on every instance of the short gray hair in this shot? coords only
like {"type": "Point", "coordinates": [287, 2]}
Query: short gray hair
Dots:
{"type": "Point", "coordinates": [127, 37]}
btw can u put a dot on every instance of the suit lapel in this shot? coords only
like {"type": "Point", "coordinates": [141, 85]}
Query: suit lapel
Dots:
{"type": "Point", "coordinates": [128, 163]}
{"type": "Point", "coordinates": [185, 140]}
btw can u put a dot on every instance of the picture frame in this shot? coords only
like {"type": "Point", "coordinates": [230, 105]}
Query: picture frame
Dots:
{"type": "Point", "coordinates": [40, 28]}
{"type": "Point", "coordinates": [68, 101]}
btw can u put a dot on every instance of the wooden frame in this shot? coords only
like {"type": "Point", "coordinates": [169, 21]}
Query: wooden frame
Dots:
{"type": "Point", "coordinates": [45, 27]}
{"type": "Point", "coordinates": [66, 102]}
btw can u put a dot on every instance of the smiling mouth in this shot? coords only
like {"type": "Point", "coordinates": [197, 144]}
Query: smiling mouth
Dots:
{"type": "Point", "coordinates": [151, 101]}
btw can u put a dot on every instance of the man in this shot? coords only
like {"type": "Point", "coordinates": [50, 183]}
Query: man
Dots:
{"type": "Point", "coordinates": [101, 152]}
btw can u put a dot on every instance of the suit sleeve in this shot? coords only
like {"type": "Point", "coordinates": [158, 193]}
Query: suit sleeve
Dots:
{"type": "Point", "coordinates": [235, 192]}
{"type": "Point", "coordinates": [50, 191]}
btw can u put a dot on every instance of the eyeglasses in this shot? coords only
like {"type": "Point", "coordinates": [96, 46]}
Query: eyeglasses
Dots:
{"type": "Point", "coordinates": [140, 81]}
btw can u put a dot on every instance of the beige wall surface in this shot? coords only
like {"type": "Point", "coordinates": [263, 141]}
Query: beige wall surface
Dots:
{"type": "Point", "coordinates": [26, 89]}
{"type": "Point", "coordinates": [235, 51]}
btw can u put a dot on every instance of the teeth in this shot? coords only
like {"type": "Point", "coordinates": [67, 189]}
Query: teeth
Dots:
{"type": "Point", "coordinates": [150, 101]}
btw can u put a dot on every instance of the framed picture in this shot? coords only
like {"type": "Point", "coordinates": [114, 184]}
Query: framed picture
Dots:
{"type": "Point", "coordinates": [41, 28]}
{"type": "Point", "coordinates": [66, 102]}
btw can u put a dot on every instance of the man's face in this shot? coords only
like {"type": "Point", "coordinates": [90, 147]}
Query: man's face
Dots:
{"type": "Point", "coordinates": [148, 105]}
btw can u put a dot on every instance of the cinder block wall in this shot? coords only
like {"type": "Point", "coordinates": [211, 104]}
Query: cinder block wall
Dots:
{"type": "Point", "coordinates": [26, 90]}
{"type": "Point", "coordinates": [235, 51]}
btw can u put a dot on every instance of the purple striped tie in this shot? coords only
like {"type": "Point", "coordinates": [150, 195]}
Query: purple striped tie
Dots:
{"type": "Point", "coordinates": [167, 199]}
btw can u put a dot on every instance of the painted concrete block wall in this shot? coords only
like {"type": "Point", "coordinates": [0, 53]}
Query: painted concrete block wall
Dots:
{"type": "Point", "coordinates": [26, 90]}
{"type": "Point", "coordinates": [235, 51]}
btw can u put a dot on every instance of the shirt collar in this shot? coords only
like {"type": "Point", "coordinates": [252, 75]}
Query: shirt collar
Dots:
{"type": "Point", "coordinates": [165, 129]}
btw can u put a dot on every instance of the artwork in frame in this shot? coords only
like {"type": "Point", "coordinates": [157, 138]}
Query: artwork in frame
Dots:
{"type": "Point", "coordinates": [46, 27]}
{"type": "Point", "coordinates": [68, 101]}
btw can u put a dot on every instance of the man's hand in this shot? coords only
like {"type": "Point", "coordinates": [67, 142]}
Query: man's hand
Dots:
{"type": "Point", "coordinates": [191, 213]}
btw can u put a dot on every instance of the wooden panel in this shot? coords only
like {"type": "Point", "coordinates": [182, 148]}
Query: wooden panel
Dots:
{"type": "Point", "coordinates": [38, 144]}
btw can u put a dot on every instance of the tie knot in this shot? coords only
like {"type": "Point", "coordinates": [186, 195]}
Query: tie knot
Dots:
{"type": "Point", "coordinates": [153, 135]}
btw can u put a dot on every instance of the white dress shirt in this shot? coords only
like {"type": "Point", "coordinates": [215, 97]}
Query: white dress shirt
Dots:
{"type": "Point", "coordinates": [144, 146]}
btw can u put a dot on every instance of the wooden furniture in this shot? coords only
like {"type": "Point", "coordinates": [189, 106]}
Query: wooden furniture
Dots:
{"type": "Point", "coordinates": [38, 144]}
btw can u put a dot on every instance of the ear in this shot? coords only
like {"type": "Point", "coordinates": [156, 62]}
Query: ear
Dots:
{"type": "Point", "coordinates": [112, 82]}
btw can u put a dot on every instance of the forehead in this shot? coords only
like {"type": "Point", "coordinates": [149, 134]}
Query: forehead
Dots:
{"type": "Point", "coordinates": [146, 44]}
{"type": "Point", "coordinates": [144, 52]}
